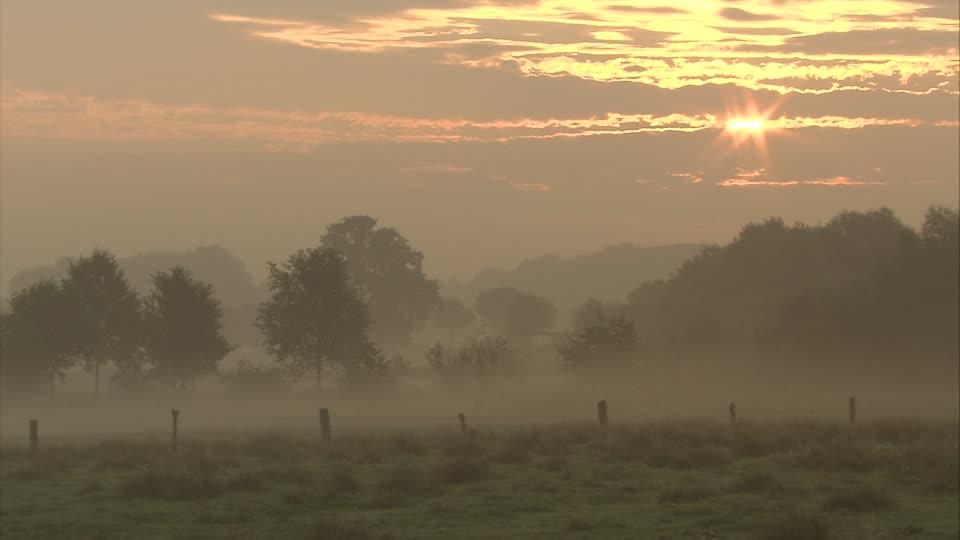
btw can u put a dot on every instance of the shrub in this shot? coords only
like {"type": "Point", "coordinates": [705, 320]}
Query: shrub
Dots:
{"type": "Point", "coordinates": [405, 480]}
{"type": "Point", "coordinates": [342, 480]}
{"type": "Point", "coordinates": [682, 495]}
{"type": "Point", "coordinates": [796, 526]}
{"type": "Point", "coordinates": [756, 482]}
{"type": "Point", "coordinates": [460, 471]}
{"type": "Point", "coordinates": [249, 379]}
{"type": "Point", "coordinates": [483, 356]}
{"type": "Point", "coordinates": [328, 529]}
{"type": "Point", "coordinates": [171, 485]}
{"type": "Point", "coordinates": [860, 499]}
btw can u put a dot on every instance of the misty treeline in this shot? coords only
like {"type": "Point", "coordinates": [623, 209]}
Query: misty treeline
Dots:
{"type": "Point", "coordinates": [863, 279]}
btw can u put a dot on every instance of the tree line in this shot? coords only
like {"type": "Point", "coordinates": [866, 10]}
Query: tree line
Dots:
{"type": "Point", "coordinates": [862, 279]}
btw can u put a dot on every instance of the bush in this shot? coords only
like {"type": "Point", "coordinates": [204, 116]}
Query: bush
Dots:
{"type": "Point", "coordinates": [682, 495]}
{"type": "Point", "coordinates": [328, 529]}
{"type": "Point", "coordinates": [460, 471]}
{"type": "Point", "coordinates": [756, 482]}
{"type": "Point", "coordinates": [249, 379]}
{"type": "Point", "coordinates": [483, 356]}
{"type": "Point", "coordinates": [342, 480]}
{"type": "Point", "coordinates": [171, 485]}
{"type": "Point", "coordinates": [860, 499]}
{"type": "Point", "coordinates": [796, 526]}
{"type": "Point", "coordinates": [405, 480]}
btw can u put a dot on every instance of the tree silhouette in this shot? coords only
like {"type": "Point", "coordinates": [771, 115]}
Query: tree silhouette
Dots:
{"type": "Point", "coordinates": [518, 315]}
{"type": "Point", "coordinates": [105, 312]}
{"type": "Point", "coordinates": [605, 343]}
{"type": "Point", "coordinates": [315, 315]}
{"type": "Point", "coordinates": [38, 337]}
{"type": "Point", "coordinates": [184, 323]}
{"type": "Point", "coordinates": [390, 275]}
{"type": "Point", "coordinates": [451, 315]}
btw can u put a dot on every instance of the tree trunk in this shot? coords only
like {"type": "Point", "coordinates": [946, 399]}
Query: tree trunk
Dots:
{"type": "Point", "coordinates": [96, 376]}
{"type": "Point", "coordinates": [53, 378]}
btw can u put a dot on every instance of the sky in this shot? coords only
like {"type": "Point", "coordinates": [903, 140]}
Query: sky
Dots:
{"type": "Point", "coordinates": [486, 131]}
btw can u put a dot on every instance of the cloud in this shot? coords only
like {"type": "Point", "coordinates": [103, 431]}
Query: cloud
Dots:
{"type": "Point", "coordinates": [737, 14]}
{"type": "Point", "coordinates": [46, 115]}
{"type": "Point", "coordinates": [747, 178]}
{"type": "Point", "coordinates": [668, 47]}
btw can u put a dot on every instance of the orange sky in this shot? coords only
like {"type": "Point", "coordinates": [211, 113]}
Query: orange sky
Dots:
{"type": "Point", "coordinates": [485, 130]}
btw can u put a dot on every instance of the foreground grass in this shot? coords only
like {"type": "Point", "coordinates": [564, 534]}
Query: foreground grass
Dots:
{"type": "Point", "coordinates": [666, 480]}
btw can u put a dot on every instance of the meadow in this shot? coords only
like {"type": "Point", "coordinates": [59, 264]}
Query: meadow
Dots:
{"type": "Point", "coordinates": [657, 479]}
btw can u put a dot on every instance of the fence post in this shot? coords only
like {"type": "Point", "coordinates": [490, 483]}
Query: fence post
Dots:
{"type": "Point", "coordinates": [733, 413]}
{"type": "Point", "coordinates": [463, 423]}
{"type": "Point", "coordinates": [602, 412]}
{"type": "Point", "coordinates": [175, 415]}
{"type": "Point", "coordinates": [325, 435]}
{"type": "Point", "coordinates": [34, 436]}
{"type": "Point", "coordinates": [852, 409]}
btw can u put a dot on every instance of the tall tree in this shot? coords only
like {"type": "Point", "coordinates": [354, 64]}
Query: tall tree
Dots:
{"type": "Point", "coordinates": [315, 316]}
{"type": "Point", "coordinates": [37, 337]}
{"type": "Point", "coordinates": [390, 275]}
{"type": "Point", "coordinates": [451, 315]}
{"type": "Point", "coordinates": [184, 321]}
{"type": "Point", "coordinates": [105, 310]}
{"type": "Point", "coordinates": [517, 314]}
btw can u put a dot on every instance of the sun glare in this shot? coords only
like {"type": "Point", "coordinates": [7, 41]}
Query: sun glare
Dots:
{"type": "Point", "coordinates": [755, 125]}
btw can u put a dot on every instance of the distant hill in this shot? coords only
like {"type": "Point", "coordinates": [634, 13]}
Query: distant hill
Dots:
{"type": "Point", "coordinates": [608, 274]}
{"type": "Point", "coordinates": [216, 265]}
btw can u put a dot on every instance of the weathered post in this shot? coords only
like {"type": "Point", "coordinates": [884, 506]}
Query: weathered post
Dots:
{"type": "Point", "coordinates": [325, 435]}
{"type": "Point", "coordinates": [463, 423]}
{"type": "Point", "coordinates": [175, 415]}
{"type": "Point", "coordinates": [602, 412]}
{"type": "Point", "coordinates": [34, 436]}
{"type": "Point", "coordinates": [733, 413]}
{"type": "Point", "coordinates": [852, 406]}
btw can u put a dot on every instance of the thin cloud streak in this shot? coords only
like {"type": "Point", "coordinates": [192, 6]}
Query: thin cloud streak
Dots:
{"type": "Point", "coordinates": [46, 115]}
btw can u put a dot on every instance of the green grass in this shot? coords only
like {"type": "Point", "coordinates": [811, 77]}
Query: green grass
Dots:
{"type": "Point", "coordinates": [659, 480]}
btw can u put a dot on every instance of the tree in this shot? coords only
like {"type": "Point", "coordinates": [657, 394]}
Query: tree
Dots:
{"type": "Point", "coordinates": [451, 315]}
{"type": "Point", "coordinates": [605, 343]}
{"type": "Point", "coordinates": [389, 273]}
{"type": "Point", "coordinates": [37, 337]}
{"type": "Point", "coordinates": [315, 315]}
{"type": "Point", "coordinates": [517, 314]}
{"type": "Point", "coordinates": [105, 311]}
{"type": "Point", "coordinates": [368, 367]}
{"type": "Point", "coordinates": [185, 330]}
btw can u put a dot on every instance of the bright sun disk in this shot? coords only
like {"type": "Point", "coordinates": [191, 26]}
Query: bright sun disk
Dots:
{"type": "Point", "coordinates": [745, 124]}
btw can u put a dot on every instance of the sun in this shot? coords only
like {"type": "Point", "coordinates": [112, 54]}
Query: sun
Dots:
{"type": "Point", "coordinates": [747, 125]}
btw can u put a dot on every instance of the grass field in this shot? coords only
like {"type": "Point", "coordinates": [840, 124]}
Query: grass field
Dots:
{"type": "Point", "coordinates": [676, 479]}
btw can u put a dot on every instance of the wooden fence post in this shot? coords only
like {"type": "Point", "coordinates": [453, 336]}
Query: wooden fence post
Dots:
{"type": "Point", "coordinates": [325, 435]}
{"type": "Point", "coordinates": [733, 413]}
{"type": "Point", "coordinates": [175, 416]}
{"type": "Point", "coordinates": [852, 409]}
{"type": "Point", "coordinates": [602, 412]}
{"type": "Point", "coordinates": [34, 436]}
{"type": "Point", "coordinates": [463, 423]}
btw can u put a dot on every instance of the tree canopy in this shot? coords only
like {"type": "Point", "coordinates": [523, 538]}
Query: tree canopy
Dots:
{"type": "Point", "coordinates": [184, 324]}
{"type": "Point", "coordinates": [518, 315]}
{"type": "Point", "coordinates": [38, 337]}
{"type": "Point", "coordinates": [105, 312]}
{"type": "Point", "coordinates": [389, 273]}
{"type": "Point", "coordinates": [315, 316]}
